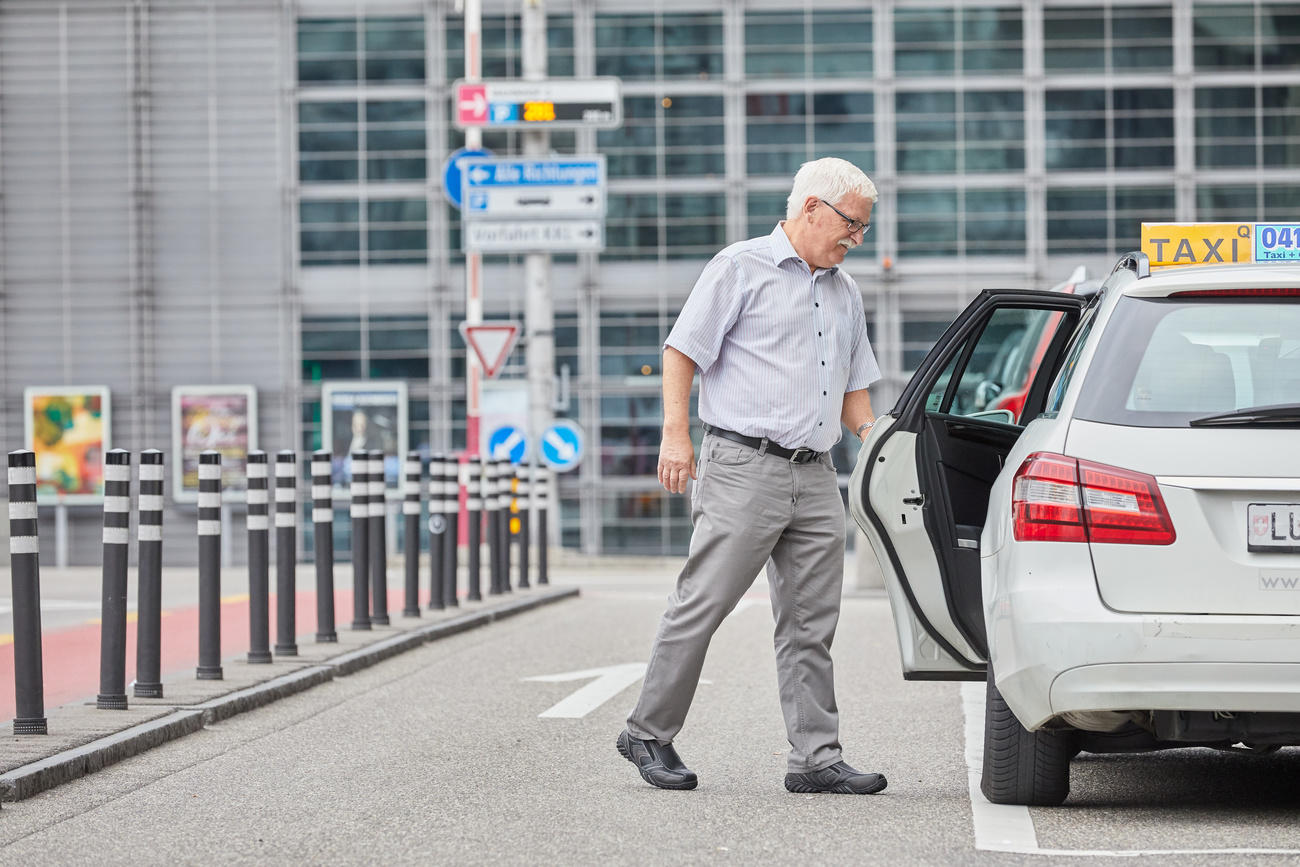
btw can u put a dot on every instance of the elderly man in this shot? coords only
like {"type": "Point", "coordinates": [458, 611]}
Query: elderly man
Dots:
{"type": "Point", "coordinates": [777, 330]}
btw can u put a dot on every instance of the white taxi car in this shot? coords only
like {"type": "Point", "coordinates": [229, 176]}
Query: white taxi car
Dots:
{"type": "Point", "coordinates": [1119, 561]}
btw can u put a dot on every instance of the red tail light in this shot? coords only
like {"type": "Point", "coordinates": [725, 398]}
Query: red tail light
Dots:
{"type": "Point", "coordinates": [1060, 499]}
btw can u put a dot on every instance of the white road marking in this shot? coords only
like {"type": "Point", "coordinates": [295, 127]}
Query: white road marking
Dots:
{"type": "Point", "coordinates": [1004, 828]}
{"type": "Point", "coordinates": [609, 682]}
{"type": "Point", "coordinates": [6, 607]}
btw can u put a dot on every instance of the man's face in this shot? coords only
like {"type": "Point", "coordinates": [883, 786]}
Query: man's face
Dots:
{"type": "Point", "coordinates": [832, 238]}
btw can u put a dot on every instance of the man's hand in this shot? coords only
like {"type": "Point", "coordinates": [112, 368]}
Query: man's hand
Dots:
{"type": "Point", "coordinates": [676, 462]}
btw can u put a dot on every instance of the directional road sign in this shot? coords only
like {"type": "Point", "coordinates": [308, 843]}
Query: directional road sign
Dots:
{"type": "Point", "coordinates": [543, 188]}
{"type": "Point", "coordinates": [451, 171]}
{"type": "Point", "coordinates": [491, 342]}
{"type": "Point", "coordinates": [508, 441]}
{"type": "Point", "coordinates": [528, 236]}
{"type": "Point", "coordinates": [557, 103]}
{"type": "Point", "coordinates": [561, 445]}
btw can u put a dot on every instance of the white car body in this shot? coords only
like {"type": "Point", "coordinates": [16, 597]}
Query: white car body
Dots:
{"type": "Point", "coordinates": [1090, 634]}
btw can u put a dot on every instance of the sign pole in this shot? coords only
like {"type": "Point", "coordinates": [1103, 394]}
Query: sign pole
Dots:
{"type": "Point", "coordinates": [539, 308]}
{"type": "Point", "coordinates": [473, 260]}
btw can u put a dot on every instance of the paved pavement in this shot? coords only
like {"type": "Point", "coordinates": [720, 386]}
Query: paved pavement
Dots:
{"type": "Point", "coordinates": [450, 753]}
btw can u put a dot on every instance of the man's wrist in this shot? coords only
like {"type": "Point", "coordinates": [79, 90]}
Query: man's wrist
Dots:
{"type": "Point", "coordinates": [864, 427]}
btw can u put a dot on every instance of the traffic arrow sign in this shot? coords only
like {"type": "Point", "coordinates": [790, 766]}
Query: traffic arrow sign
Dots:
{"type": "Point", "coordinates": [561, 447]}
{"type": "Point", "coordinates": [471, 104]}
{"type": "Point", "coordinates": [491, 342]}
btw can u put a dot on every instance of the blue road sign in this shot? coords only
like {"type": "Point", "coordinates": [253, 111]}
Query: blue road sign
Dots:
{"type": "Point", "coordinates": [451, 171]}
{"type": "Point", "coordinates": [508, 441]}
{"type": "Point", "coordinates": [576, 172]}
{"type": "Point", "coordinates": [561, 445]}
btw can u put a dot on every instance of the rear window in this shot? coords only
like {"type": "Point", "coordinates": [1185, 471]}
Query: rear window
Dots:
{"type": "Point", "coordinates": [1162, 362]}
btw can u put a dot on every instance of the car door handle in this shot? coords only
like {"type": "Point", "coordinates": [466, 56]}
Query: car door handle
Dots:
{"type": "Point", "coordinates": [914, 501]}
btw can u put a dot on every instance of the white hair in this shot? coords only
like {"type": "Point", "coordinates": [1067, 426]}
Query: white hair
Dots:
{"type": "Point", "coordinates": [829, 178]}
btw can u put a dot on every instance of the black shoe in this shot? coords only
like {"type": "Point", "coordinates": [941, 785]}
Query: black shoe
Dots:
{"type": "Point", "coordinates": [839, 779]}
{"type": "Point", "coordinates": [658, 763]}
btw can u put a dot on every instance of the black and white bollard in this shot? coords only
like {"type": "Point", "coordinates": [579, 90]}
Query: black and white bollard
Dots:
{"type": "Point", "coordinates": [437, 532]}
{"type": "Point", "coordinates": [521, 509]}
{"type": "Point", "coordinates": [209, 667]}
{"type": "Point", "coordinates": [378, 541]}
{"type": "Point", "coordinates": [491, 499]}
{"type": "Point", "coordinates": [286, 553]}
{"type": "Point", "coordinates": [259, 559]}
{"type": "Point", "coordinates": [322, 519]}
{"type": "Point", "coordinates": [505, 475]}
{"type": "Point", "coordinates": [451, 550]}
{"type": "Point", "coordinates": [117, 547]}
{"type": "Point", "coordinates": [25, 580]}
{"type": "Point", "coordinates": [148, 606]}
{"type": "Point", "coordinates": [411, 514]}
{"type": "Point", "coordinates": [542, 492]}
{"type": "Point", "coordinates": [474, 532]}
{"type": "Point", "coordinates": [360, 533]}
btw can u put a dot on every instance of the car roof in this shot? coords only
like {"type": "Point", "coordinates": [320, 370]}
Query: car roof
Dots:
{"type": "Point", "coordinates": [1165, 281]}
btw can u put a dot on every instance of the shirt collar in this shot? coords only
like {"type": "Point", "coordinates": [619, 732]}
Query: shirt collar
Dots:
{"type": "Point", "coordinates": [783, 250]}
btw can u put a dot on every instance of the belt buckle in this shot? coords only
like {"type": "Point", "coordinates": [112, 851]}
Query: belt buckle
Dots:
{"type": "Point", "coordinates": [797, 456]}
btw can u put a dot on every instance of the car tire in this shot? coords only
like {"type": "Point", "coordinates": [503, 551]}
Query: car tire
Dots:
{"type": "Point", "coordinates": [1020, 766]}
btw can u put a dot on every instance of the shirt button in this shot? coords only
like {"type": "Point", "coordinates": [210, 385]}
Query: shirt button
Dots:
{"type": "Point", "coordinates": [823, 364]}
{"type": "Point", "coordinates": [819, 334]}
{"type": "Point", "coordinates": [823, 393]}
{"type": "Point", "coordinates": [815, 304]}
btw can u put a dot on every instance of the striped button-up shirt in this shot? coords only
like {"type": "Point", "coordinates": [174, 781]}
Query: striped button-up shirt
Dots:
{"type": "Point", "coordinates": [777, 346]}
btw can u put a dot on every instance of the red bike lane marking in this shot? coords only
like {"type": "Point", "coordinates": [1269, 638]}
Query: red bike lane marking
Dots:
{"type": "Point", "coordinates": [70, 656]}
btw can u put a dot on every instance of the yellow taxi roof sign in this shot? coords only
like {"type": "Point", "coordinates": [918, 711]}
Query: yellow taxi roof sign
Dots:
{"type": "Point", "coordinates": [1171, 244]}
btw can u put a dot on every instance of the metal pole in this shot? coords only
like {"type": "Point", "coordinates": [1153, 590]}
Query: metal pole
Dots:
{"type": "Point", "coordinates": [474, 515]}
{"type": "Point", "coordinates": [504, 495]}
{"type": "Point", "coordinates": [25, 580]}
{"type": "Point", "coordinates": [209, 566]}
{"type": "Point", "coordinates": [411, 511]}
{"type": "Point", "coordinates": [520, 507]}
{"type": "Point", "coordinates": [148, 607]}
{"type": "Point", "coordinates": [360, 532]}
{"type": "Point", "coordinates": [259, 559]}
{"type": "Point", "coordinates": [378, 542]}
{"type": "Point", "coordinates": [286, 553]}
{"type": "Point", "coordinates": [112, 618]}
{"type": "Point", "coordinates": [490, 501]}
{"type": "Point", "coordinates": [542, 485]}
{"type": "Point", "coordinates": [538, 304]}
{"type": "Point", "coordinates": [451, 549]}
{"type": "Point", "coordinates": [437, 531]}
{"type": "Point", "coordinates": [322, 518]}
{"type": "Point", "coordinates": [473, 261]}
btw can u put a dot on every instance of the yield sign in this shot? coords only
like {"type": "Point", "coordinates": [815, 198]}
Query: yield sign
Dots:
{"type": "Point", "coordinates": [491, 342]}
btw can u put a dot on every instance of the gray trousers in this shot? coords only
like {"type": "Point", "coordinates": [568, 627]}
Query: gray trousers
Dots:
{"type": "Point", "coordinates": [749, 509]}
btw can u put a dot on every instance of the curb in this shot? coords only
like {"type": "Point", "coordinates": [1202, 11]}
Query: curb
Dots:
{"type": "Point", "coordinates": [38, 776]}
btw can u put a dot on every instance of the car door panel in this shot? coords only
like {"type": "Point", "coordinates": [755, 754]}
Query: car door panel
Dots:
{"type": "Point", "coordinates": [920, 487]}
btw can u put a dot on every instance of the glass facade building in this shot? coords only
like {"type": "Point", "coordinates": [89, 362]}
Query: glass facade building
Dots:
{"type": "Point", "coordinates": [1011, 143]}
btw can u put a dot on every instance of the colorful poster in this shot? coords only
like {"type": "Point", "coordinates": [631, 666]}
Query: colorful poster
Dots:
{"type": "Point", "coordinates": [219, 417]}
{"type": "Point", "coordinates": [365, 414]}
{"type": "Point", "coordinates": [67, 427]}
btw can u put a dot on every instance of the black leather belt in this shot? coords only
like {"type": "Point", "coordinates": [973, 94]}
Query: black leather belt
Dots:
{"type": "Point", "coordinates": [794, 456]}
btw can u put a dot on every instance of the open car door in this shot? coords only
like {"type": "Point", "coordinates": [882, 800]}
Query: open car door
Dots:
{"type": "Point", "coordinates": [921, 484]}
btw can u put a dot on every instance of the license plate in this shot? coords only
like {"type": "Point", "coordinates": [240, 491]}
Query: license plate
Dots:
{"type": "Point", "coordinates": [1273, 527]}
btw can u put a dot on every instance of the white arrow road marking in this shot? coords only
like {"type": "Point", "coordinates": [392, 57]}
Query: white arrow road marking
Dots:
{"type": "Point", "coordinates": [609, 682]}
{"type": "Point", "coordinates": [561, 446]}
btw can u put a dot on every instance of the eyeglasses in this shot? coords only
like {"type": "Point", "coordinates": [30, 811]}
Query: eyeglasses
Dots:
{"type": "Point", "coordinates": [854, 225]}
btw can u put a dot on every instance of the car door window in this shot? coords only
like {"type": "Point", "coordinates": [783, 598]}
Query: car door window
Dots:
{"type": "Point", "coordinates": [998, 366]}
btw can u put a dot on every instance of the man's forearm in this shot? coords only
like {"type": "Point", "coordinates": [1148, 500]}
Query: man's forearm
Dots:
{"type": "Point", "coordinates": [678, 371]}
{"type": "Point", "coordinates": [857, 410]}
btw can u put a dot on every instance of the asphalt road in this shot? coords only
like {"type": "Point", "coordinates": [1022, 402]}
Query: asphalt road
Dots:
{"type": "Point", "coordinates": [447, 755]}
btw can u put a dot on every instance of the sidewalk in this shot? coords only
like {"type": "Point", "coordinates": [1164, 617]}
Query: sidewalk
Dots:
{"type": "Point", "coordinates": [83, 739]}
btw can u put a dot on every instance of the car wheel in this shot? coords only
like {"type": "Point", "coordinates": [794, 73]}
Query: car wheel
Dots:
{"type": "Point", "coordinates": [1020, 766]}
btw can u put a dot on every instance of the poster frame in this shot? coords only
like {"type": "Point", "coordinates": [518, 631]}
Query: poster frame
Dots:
{"type": "Point", "coordinates": [29, 433]}
{"type": "Point", "coordinates": [228, 495]}
{"type": "Point", "coordinates": [378, 386]}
